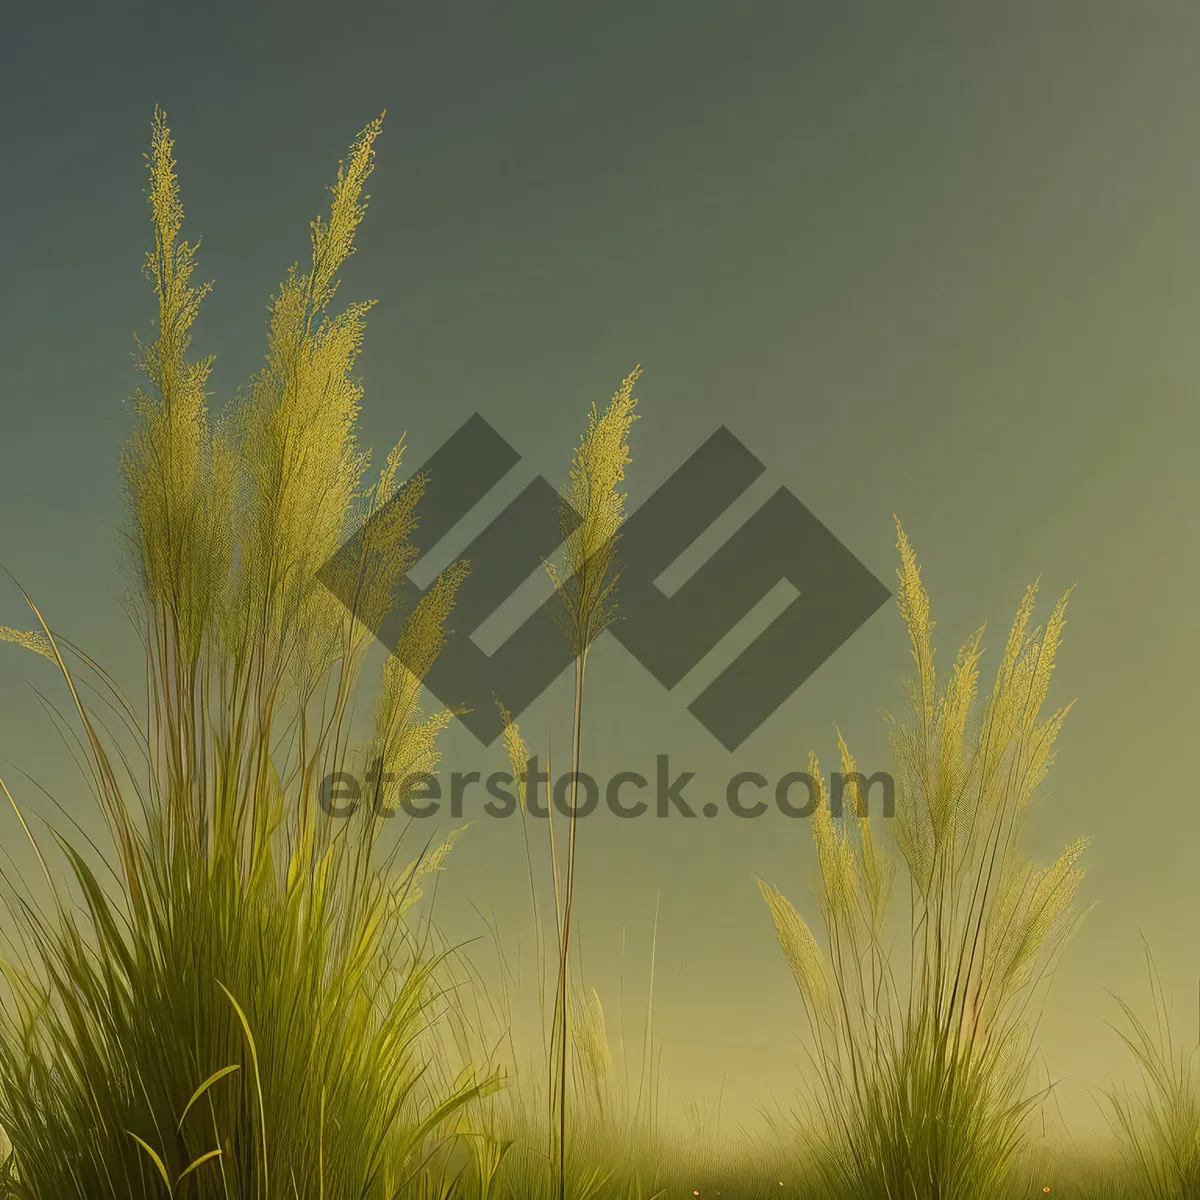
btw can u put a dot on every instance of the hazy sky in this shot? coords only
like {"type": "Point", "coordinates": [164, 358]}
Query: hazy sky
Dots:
{"type": "Point", "coordinates": [938, 260]}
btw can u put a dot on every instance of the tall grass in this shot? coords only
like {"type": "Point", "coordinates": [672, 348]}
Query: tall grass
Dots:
{"type": "Point", "coordinates": [1158, 1124]}
{"type": "Point", "coordinates": [923, 1067]}
{"type": "Point", "coordinates": [245, 1011]}
{"type": "Point", "coordinates": [592, 509]}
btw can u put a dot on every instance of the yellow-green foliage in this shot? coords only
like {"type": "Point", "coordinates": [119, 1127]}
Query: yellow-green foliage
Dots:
{"type": "Point", "coordinates": [924, 1065]}
{"type": "Point", "coordinates": [592, 510]}
{"type": "Point", "coordinates": [33, 640]}
{"type": "Point", "coordinates": [1158, 1122]}
{"type": "Point", "coordinates": [247, 1014]}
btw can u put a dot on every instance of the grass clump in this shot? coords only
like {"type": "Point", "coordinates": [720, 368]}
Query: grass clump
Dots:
{"type": "Point", "coordinates": [1158, 1123]}
{"type": "Point", "coordinates": [922, 1067]}
{"type": "Point", "coordinates": [245, 1009]}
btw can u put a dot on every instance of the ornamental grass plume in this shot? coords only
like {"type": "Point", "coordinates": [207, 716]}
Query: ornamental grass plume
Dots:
{"type": "Point", "coordinates": [33, 640]}
{"type": "Point", "coordinates": [592, 509]}
{"type": "Point", "coordinates": [248, 1012]}
{"type": "Point", "coordinates": [923, 1066]}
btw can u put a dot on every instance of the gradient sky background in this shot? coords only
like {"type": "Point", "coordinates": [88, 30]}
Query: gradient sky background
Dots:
{"type": "Point", "coordinates": [938, 260]}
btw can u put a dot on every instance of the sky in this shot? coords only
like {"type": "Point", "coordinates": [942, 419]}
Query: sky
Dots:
{"type": "Point", "coordinates": [936, 260]}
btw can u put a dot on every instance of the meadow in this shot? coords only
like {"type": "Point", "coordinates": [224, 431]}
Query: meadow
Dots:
{"type": "Point", "coordinates": [239, 996]}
